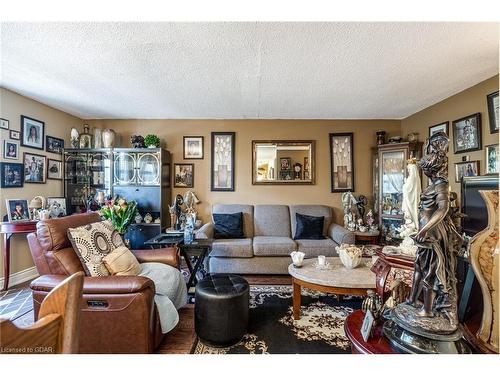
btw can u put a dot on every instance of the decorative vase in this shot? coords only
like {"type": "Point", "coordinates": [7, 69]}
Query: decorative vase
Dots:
{"type": "Point", "coordinates": [349, 255]}
{"type": "Point", "coordinates": [97, 138]}
{"type": "Point", "coordinates": [484, 257]}
{"type": "Point", "coordinates": [108, 138]}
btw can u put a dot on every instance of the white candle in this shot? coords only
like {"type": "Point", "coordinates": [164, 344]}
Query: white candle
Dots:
{"type": "Point", "coordinates": [321, 260]}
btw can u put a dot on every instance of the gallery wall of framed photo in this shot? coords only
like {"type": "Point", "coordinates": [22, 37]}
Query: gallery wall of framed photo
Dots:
{"type": "Point", "coordinates": [470, 118]}
{"type": "Point", "coordinates": [30, 145]}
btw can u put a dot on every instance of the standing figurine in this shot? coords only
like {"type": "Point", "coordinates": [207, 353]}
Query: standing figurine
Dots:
{"type": "Point", "coordinates": [432, 326]}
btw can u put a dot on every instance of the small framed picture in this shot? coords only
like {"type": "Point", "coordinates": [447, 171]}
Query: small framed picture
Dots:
{"type": "Point", "coordinates": [10, 149]}
{"type": "Point", "coordinates": [56, 206]}
{"type": "Point", "coordinates": [366, 328]}
{"type": "Point", "coordinates": [193, 147]}
{"type": "Point", "coordinates": [467, 133]}
{"type": "Point", "coordinates": [11, 175]}
{"type": "Point", "coordinates": [285, 164]}
{"type": "Point", "coordinates": [442, 127]}
{"type": "Point", "coordinates": [4, 123]}
{"type": "Point", "coordinates": [54, 169]}
{"type": "Point", "coordinates": [53, 144]}
{"type": "Point", "coordinates": [492, 159]}
{"type": "Point", "coordinates": [184, 175]}
{"type": "Point", "coordinates": [14, 134]}
{"type": "Point", "coordinates": [493, 111]}
{"type": "Point", "coordinates": [466, 169]}
{"type": "Point", "coordinates": [35, 168]}
{"type": "Point", "coordinates": [32, 132]}
{"type": "Point", "coordinates": [17, 210]}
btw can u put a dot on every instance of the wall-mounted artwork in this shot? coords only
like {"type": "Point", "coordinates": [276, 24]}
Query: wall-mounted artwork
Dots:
{"type": "Point", "coordinates": [222, 164]}
{"type": "Point", "coordinates": [54, 145]}
{"type": "Point", "coordinates": [4, 123]}
{"type": "Point", "coordinates": [11, 175]}
{"type": "Point", "coordinates": [32, 132]}
{"type": "Point", "coordinates": [10, 149]}
{"type": "Point", "coordinates": [34, 168]}
{"type": "Point", "coordinates": [54, 169]}
{"type": "Point", "coordinates": [14, 134]}
{"type": "Point", "coordinates": [467, 133]}
{"type": "Point", "coordinates": [492, 159]}
{"type": "Point", "coordinates": [442, 127]}
{"type": "Point", "coordinates": [493, 111]}
{"type": "Point", "coordinates": [466, 169]}
{"type": "Point", "coordinates": [184, 175]}
{"type": "Point", "coordinates": [341, 162]}
{"type": "Point", "coordinates": [193, 147]}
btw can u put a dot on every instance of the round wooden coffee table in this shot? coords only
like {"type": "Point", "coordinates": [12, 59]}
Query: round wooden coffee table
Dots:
{"type": "Point", "coordinates": [336, 279]}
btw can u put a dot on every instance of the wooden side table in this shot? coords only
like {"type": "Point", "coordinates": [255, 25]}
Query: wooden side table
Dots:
{"type": "Point", "coordinates": [8, 229]}
{"type": "Point", "coordinates": [363, 238]}
{"type": "Point", "coordinates": [376, 344]}
{"type": "Point", "coordinates": [390, 267]}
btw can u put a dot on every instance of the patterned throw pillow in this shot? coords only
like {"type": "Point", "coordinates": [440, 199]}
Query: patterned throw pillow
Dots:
{"type": "Point", "coordinates": [93, 242]}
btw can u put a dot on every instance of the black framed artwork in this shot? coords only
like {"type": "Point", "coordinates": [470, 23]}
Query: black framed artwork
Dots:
{"type": "Point", "coordinates": [14, 134]}
{"type": "Point", "coordinates": [183, 175]}
{"type": "Point", "coordinates": [341, 162]}
{"type": "Point", "coordinates": [492, 100]}
{"type": "Point", "coordinates": [35, 168]}
{"type": "Point", "coordinates": [192, 147]}
{"type": "Point", "coordinates": [4, 123]}
{"type": "Point", "coordinates": [491, 158]}
{"type": "Point", "coordinates": [467, 133]}
{"type": "Point", "coordinates": [222, 161]}
{"type": "Point", "coordinates": [11, 175]}
{"type": "Point", "coordinates": [32, 132]}
{"type": "Point", "coordinates": [10, 149]}
{"type": "Point", "coordinates": [54, 169]}
{"type": "Point", "coordinates": [466, 169]}
{"type": "Point", "coordinates": [441, 127]}
{"type": "Point", "coordinates": [54, 145]}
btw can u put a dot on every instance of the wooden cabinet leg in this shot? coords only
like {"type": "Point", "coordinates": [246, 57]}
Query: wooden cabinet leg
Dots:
{"type": "Point", "coordinates": [296, 300]}
{"type": "Point", "coordinates": [6, 260]}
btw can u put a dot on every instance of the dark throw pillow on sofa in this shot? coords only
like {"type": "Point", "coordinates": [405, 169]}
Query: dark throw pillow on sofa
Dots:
{"type": "Point", "coordinates": [228, 225]}
{"type": "Point", "coordinates": [309, 227]}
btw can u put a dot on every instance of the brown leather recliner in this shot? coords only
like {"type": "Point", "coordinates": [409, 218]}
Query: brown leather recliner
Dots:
{"type": "Point", "coordinates": [118, 312]}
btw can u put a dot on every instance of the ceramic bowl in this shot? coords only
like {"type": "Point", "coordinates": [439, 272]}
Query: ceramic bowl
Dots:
{"type": "Point", "coordinates": [349, 261]}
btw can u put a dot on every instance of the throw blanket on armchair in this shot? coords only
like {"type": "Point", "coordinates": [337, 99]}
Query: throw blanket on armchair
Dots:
{"type": "Point", "coordinates": [171, 293]}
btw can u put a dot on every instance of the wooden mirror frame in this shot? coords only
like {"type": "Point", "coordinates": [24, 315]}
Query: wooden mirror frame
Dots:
{"type": "Point", "coordinates": [312, 162]}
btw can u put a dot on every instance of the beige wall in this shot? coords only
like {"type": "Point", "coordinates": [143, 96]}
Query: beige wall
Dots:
{"type": "Point", "coordinates": [465, 103]}
{"type": "Point", "coordinates": [172, 131]}
{"type": "Point", "coordinates": [57, 124]}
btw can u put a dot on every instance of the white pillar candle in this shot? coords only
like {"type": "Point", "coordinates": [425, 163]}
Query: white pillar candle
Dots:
{"type": "Point", "coordinates": [321, 260]}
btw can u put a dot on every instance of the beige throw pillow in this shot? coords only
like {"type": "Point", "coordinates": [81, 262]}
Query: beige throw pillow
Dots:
{"type": "Point", "coordinates": [93, 242]}
{"type": "Point", "coordinates": [121, 262]}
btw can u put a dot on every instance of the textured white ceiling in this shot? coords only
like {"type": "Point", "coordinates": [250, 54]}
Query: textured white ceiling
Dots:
{"type": "Point", "coordinates": [245, 70]}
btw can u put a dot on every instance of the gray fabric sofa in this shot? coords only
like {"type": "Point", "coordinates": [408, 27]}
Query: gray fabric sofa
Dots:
{"type": "Point", "coordinates": [268, 242]}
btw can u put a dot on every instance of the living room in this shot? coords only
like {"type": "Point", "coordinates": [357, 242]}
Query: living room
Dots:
{"type": "Point", "coordinates": [249, 187]}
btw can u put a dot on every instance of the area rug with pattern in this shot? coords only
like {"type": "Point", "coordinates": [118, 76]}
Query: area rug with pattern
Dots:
{"type": "Point", "coordinates": [272, 329]}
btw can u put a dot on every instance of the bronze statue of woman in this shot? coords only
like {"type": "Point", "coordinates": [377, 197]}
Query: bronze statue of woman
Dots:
{"type": "Point", "coordinates": [437, 240]}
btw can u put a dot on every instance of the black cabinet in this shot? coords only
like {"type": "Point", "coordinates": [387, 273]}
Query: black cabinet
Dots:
{"type": "Point", "coordinates": [139, 174]}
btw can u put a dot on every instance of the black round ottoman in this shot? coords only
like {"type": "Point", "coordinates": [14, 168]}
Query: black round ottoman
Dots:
{"type": "Point", "coordinates": [221, 309]}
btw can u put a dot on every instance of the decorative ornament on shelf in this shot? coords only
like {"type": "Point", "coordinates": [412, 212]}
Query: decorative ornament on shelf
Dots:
{"type": "Point", "coordinates": [137, 141]}
{"type": "Point", "coordinates": [86, 137]}
{"type": "Point", "coordinates": [97, 138]}
{"type": "Point", "coordinates": [74, 138]}
{"type": "Point", "coordinates": [380, 137]}
{"type": "Point", "coordinates": [148, 218]}
{"type": "Point", "coordinates": [138, 218]}
{"type": "Point", "coordinates": [348, 201]}
{"type": "Point", "coordinates": [108, 138]}
{"type": "Point", "coordinates": [151, 141]}
{"type": "Point", "coordinates": [120, 212]}
{"type": "Point", "coordinates": [432, 326]}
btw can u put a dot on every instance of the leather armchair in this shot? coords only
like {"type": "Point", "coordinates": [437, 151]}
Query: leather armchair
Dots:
{"type": "Point", "coordinates": [118, 313]}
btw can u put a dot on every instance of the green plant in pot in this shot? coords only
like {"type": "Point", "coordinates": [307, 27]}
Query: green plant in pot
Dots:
{"type": "Point", "coordinates": [151, 141]}
{"type": "Point", "coordinates": [120, 212]}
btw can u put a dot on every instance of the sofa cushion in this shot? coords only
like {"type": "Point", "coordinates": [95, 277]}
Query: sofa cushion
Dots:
{"type": "Point", "coordinates": [232, 247]}
{"type": "Point", "coordinates": [268, 246]}
{"type": "Point", "coordinates": [311, 210]}
{"type": "Point", "coordinates": [313, 248]}
{"type": "Point", "coordinates": [121, 262]}
{"type": "Point", "coordinates": [247, 211]}
{"type": "Point", "coordinates": [228, 225]}
{"type": "Point", "coordinates": [271, 220]}
{"type": "Point", "coordinates": [92, 242]}
{"type": "Point", "coordinates": [309, 227]}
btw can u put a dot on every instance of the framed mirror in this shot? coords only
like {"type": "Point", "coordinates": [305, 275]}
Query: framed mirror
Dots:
{"type": "Point", "coordinates": [282, 162]}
